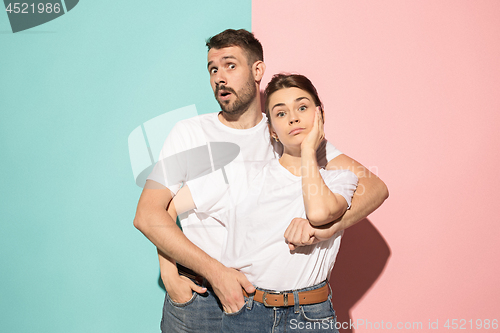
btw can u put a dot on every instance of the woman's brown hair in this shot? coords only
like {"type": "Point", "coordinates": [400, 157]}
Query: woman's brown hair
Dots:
{"type": "Point", "coordinates": [281, 81]}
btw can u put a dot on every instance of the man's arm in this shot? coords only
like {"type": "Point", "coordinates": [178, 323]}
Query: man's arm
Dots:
{"type": "Point", "coordinates": [180, 288]}
{"type": "Point", "coordinates": [153, 220]}
{"type": "Point", "coordinates": [369, 195]}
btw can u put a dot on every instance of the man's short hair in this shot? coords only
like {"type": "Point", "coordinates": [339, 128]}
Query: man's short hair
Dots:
{"type": "Point", "coordinates": [242, 38]}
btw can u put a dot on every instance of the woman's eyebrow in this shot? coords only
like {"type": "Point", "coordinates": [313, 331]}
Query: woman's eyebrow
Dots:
{"type": "Point", "coordinates": [278, 104]}
{"type": "Point", "coordinates": [301, 98]}
{"type": "Point", "coordinates": [298, 99]}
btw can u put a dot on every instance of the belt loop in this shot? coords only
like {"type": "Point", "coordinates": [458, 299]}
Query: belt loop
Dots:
{"type": "Point", "coordinates": [296, 305]}
{"type": "Point", "coordinates": [250, 301]}
{"type": "Point", "coordinates": [330, 294]}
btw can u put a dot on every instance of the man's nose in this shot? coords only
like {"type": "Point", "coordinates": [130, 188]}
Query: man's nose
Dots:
{"type": "Point", "coordinates": [220, 78]}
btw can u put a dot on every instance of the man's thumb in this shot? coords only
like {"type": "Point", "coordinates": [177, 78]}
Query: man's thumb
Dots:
{"type": "Point", "coordinates": [249, 288]}
{"type": "Point", "coordinates": [197, 288]}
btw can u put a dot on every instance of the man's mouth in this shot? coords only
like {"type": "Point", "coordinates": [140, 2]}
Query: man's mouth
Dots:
{"type": "Point", "coordinates": [224, 94]}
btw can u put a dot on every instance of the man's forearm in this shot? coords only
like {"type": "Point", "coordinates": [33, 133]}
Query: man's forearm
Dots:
{"type": "Point", "coordinates": [153, 220]}
{"type": "Point", "coordinates": [370, 193]}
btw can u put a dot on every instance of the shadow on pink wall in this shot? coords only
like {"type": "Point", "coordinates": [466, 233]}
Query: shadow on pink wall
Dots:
{"type": "Point", "coordinates": [362, 258]}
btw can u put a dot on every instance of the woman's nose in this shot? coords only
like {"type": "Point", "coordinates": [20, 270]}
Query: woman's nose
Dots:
{"type": "Point", "coordinates": [293, 119]}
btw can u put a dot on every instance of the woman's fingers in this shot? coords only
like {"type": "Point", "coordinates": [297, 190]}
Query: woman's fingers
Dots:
{"type": "Point", "coordinates": [299, 233]}
{"type": "Point", "coordinates": [321, 124]}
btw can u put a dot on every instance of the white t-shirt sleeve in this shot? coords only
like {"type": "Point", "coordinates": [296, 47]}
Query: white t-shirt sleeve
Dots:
{"type": "Point", "coordinates": [183, 156]}
{"type": "Point", "coordinates": [342, 182]}
{"type": "Point", "coordinates": [331, 151]}
{"type": "Point", "coordinates": [325, 153]}
{"type": "Point", "coordinates": [167, 170]}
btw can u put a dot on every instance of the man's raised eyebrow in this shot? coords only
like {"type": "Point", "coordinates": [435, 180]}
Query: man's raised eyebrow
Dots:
{"type": "Point", "coordinates": [223, 58]}
{"type": "Point", "coordinates": [228, 57]}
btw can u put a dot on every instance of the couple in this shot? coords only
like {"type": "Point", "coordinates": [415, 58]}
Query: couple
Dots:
{"type": "Point", "coordinates": [236, 67]}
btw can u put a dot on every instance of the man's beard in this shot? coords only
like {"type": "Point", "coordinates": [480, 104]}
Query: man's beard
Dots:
{"type": "Point", "coordinates": [244, 98]}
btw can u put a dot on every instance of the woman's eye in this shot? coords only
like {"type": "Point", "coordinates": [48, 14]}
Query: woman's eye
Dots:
{"type": "Point", "coordinates": [303, 108]}
{"type": "Point", "coordinates": [280, 114]}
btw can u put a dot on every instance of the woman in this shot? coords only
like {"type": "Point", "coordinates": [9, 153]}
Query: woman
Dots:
{"type": "Point", "coordinates": [292, 290]}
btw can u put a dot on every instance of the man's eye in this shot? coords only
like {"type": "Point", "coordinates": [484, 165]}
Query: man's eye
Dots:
{"type": "Point", "coordinates": [213, 70]}
{"type": "Point", "coordinates": [232, 66]}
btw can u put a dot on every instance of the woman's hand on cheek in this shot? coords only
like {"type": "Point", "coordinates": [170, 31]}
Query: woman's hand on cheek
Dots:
{"type": "Point", "coordinates": [316, 135]}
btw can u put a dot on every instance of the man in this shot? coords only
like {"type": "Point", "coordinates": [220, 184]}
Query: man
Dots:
{"type": "Point", "coordinates": [236, 67]}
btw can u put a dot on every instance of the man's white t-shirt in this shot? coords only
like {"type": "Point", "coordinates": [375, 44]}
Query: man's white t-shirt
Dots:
{"type": "Point", "coordinates": [197, 147]}
{"type": "Point", "coordinates": [256, 215]}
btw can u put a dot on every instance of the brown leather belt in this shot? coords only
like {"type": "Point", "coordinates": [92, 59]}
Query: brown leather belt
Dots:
{"type": "Point", "coordinates": [278, 299]}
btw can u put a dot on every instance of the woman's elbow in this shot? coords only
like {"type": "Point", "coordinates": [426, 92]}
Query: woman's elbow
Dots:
{"type": "Point", "coordinates": [319, 217]}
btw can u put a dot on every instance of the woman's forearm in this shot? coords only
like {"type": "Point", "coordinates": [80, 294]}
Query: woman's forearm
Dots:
{"type": "Point", "coordinates": [321, 204]}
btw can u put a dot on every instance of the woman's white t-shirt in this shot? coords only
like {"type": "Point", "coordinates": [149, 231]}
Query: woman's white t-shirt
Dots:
{"type": "Point", "coordinates": [256, 212]}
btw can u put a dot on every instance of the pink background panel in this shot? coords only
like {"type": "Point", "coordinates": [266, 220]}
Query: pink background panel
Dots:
{"type": "Point", "coordinates": [411, 90]}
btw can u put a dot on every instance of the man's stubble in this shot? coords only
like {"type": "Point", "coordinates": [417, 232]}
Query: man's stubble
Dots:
{"type": "Point", "coordinates": [244, 98]}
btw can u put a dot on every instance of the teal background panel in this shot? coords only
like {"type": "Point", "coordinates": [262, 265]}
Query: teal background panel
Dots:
{"type": "Point", "coordinates": [71, 92]}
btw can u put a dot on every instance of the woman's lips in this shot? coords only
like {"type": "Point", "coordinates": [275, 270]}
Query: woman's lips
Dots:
{"type": "Point", "coordinates": [296, 131]}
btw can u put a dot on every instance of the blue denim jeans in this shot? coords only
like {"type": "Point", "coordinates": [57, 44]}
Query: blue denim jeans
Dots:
{"type": "Point", "coordinates": [256, 317]}
{"type": "Point", "coordinates": [201, 314]}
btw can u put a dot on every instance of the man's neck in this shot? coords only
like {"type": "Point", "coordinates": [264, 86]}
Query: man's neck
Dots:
{"type": "Point", "coordinates": [243, 121]}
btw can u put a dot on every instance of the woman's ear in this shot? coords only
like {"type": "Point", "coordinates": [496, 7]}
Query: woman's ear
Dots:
{"type": "Point", "coordinates": [273, 134]}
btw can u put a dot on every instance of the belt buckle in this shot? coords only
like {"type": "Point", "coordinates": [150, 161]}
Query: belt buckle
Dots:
{"type": "Point", "coordinates": [264, 298]}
